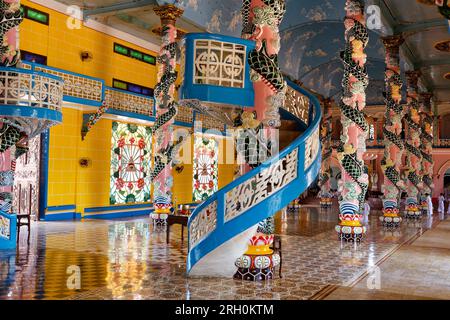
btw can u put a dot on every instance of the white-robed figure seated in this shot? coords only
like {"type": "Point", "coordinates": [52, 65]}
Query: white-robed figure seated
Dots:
{"type": "Point", "coordinates": [441, 200]}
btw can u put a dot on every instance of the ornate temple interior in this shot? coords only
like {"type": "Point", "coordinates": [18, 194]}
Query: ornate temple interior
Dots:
{"type": "Point", "coordinates": [225, 150]}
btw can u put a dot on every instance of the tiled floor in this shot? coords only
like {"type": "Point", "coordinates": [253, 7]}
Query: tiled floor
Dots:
{"type": "Point", "coordinates": [127, 259]}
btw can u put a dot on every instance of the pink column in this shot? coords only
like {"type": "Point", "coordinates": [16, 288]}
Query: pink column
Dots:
{"type": "Point", "coordinates": [9, 135]}
{"type": "Point", "coordinates": [412, 145]}
{"type": "Point", "coordinates": [427, 143]}
{"type": "Point", "coordinates": [261, 21]}
{"type": "Point", "coordinates": [166, 110]}
{"type": "Point", "coordinates": [327, 150]}
{"type": "Point", "coordinates": [354, 183]}
{"type": "Point", "coordinates": [393, 145]}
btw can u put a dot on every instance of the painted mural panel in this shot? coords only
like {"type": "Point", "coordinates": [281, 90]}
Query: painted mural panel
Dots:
{"type": "Point", "coordinates": [206, 167]}
{"type": "Point", "coordinates": [131, 149]}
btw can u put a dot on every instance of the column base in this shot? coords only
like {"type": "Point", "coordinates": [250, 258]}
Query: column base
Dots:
{"type": "Point", "coordinates": [326, 203]}
{"type": "Point", "coordinates": [159, 219]}
{"type": "Point", "coordinates": [351, 233]}
{"type": "Point", "coordinates": [413, 214]}
{"type": "Point", "coordinates": [256, 268]}
{"type": "Point", "coordinates": [391, 222]}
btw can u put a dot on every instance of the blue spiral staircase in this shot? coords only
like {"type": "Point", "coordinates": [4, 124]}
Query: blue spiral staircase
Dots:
{"type": "Point", "coordinates": [220, 227]}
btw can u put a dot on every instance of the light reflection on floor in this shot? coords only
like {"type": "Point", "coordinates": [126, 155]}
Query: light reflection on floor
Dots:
{"type": "Point", "coordinates": [128, 259]}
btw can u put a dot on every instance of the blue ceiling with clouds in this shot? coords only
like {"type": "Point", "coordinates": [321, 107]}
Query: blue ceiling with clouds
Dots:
{"type": "Point", "coordinates": [312, 36]}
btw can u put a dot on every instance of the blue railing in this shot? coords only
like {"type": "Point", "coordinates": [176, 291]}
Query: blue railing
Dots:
{"type": "Point", "coordinates": [221, 228]}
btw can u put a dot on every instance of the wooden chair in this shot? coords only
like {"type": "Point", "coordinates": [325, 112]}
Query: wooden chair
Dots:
{"type": "Point", "coordinates": [276, 247]}
{"type": "Point", "coordinates": [21, 216]}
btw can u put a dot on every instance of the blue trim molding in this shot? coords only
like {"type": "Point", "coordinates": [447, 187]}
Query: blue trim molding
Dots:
{"type": "Point", "coordinates": [60, 213]}
{"type": "Point", "coordinates": [114, 212]}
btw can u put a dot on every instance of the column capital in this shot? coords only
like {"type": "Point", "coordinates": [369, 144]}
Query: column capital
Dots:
{"type": "Point", "coordinates": [392, 42]}
{"type": "Point", "coordinates": [168, 13]}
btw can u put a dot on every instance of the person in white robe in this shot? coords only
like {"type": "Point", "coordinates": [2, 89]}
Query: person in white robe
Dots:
{"type": "Point", "coordinates": [441, 207]}
{"type": "Point", "coordinates": [429, 205]}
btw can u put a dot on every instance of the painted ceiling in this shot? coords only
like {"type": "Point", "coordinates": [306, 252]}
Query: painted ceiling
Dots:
{"type": "Point", "coordinates": [312, 35]}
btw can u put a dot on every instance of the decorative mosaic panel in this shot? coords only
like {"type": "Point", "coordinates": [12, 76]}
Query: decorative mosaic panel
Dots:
{"type": "Point", "coordinates": [131, 150]}
{"type": "Point", "coordinates": [209, 122]}
{"type": "Point", "coordinates": [205, 168]}
{"type": "Point", "coordinates": [203, 224]}
{"type": "Point", "coordinates": [5, 227]}
{"type": "Point", "coordinates": [297, 104]}
{"type": "Point", "coordinates": [124, 101]}
{"type": "Point", "coordinates": [269, 181]}
{"type": "Point", "coordinates": [312, 148]}
{"type": "Point", "coordinates": [219, 63]}
{"type": "Point", "coordinates": [77, 86]}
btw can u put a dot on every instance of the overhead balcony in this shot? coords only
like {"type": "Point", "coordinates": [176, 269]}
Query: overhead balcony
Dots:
{"type": "Point", "coordinates": [214, 69]}
{"type": "Point", "coordinates": [30, 100]}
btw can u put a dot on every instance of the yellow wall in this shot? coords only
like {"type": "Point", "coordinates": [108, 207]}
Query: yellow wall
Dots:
{"type": "Point", "coordinates": [63, 46]}
{"type": "Point", "coordinates": [68, 182]}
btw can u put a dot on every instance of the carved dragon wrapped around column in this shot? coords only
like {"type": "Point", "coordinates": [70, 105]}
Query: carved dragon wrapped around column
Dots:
{"type": "Point", "coordinates": [427, 143]}
{"type": "Point", "coordinates": [355, 181]}
{"type": "Point", "coordinates": [393, 144]}
{"type": "Point", "coordinates": [412, 145]}
{"type": "Point", "coordinates": [327, 151]}
{"type": "Point", "coordinates": [166, 110]}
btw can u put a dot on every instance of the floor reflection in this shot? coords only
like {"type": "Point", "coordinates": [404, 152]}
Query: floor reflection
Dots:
{"type": "Point", "coordinates": [129, 259]}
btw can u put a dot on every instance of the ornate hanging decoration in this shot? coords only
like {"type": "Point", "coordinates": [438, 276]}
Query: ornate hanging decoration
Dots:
{"type": "Point", "coordinates": [354, 183]}
{"type": "Point", "coordinates": [427, 144]}
{"type": "Point", "coordinates": [327, 151]}
{"type": "Point", "coordinates": [261, 21]}
{"type": "Point", "coordinates": [412, 145]}
{"type": "Point", "coordinates": [166, 110]}
{"type": "Point", "coordinates": [393, 144]}
{"type": "Point", "coordinates": [94, 118]}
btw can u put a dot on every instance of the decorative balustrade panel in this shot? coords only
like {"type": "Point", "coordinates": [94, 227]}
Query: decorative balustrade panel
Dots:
{"type": "Point", "coordinates": [125, 101]}
{"type": "Point", "coordinates": [185, 114]}
{"type": "Point", "coordinates": [297, 104]}
{"type": "Point", "coordinates": [312, 148]}
{"type": "Point", "coordinates": [209, 123]}
{"type": "Point", "coordinates": [266, 183]}
{"type": "Point", "coordinates": [219, 63]}
{"type": "Point", "coordinates": [77, 86]}
{"type": "Point", "coordinates": [203, 224]}
{"type": "Point", "coordinates": [28, 89]}
{"type": "Point", "coordinates": [443, 143]}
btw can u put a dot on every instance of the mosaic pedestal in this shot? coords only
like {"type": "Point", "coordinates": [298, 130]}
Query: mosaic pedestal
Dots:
{"type": "Point", "coordinates": [351, 233]}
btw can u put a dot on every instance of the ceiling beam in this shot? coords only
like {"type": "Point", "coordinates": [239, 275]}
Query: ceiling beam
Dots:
{"type": "Point", "coordinates": [118, 7]}
{"type": "Point", "coordinates": [420, 26]}
{"type": "Point", "coordinates": [430, 63]}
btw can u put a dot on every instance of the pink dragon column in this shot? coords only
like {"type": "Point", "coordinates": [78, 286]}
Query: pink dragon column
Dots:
{"type": "Point", "coordinates": [10, 17]}
{"type": "Point", "coordinates": [393, 144]}
{"type": "Point", "coordinates": [427, 143]}
{"type": "Point", "coordinates": [261, 21]}
{"type": "Point", "coordinates": [355, 181]}
{"type": "Point", "coordinates": [166, 110]}
{"type": "Point", "coordinates": [327, 151]}
{"type": "Point", "coordinates": [412, 145]}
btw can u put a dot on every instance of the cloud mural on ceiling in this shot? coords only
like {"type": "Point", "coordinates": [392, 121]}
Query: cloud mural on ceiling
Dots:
{"type": "Point", "coordinates": [312, 36]}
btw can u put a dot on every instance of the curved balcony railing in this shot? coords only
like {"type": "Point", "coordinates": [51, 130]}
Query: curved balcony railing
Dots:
{"type": "Point", "coordinates": [30, 100]}
{"type": "Point", "coordinates": [262, 192]}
